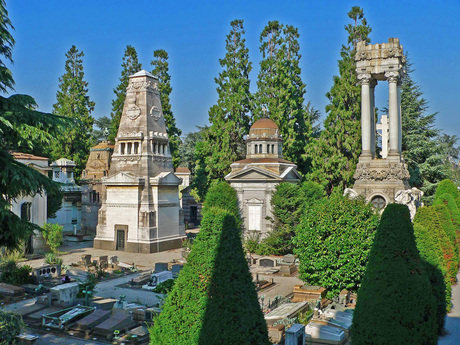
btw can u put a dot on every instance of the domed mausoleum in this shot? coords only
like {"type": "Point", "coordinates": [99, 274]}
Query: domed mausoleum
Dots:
{"type": "Point", "coordinates": [256, 177]}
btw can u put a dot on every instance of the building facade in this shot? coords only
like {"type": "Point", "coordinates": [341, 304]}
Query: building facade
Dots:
{"type": "Point", "coordinates": [141, 211]}
{"type": "Point", "coordinates": [256, 177]}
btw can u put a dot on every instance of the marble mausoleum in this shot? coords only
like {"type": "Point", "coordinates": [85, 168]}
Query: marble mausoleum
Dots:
{"type": "Point", "coordinates": [256, 177]}
{"type": "Point", "coordinates": [141, 211]}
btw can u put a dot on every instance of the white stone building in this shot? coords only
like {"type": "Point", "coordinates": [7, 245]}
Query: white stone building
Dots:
{"type": "Point", "coordinates": [141, 211]}
{"type": "Point", "coordinates": [33, 208]}
{"type": "Point", "coordinates": [69, 215]}
{"type": "Point", "coordinates": [256, 177]}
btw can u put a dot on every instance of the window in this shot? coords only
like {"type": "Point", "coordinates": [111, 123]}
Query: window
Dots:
{"type": "Point", "coordinates": [256, 149]}
{"type": "Point", "coordinates": [273, 148]}
{"type": "Point", "coordinates": [378, 202]}
{"type": "Point", "coordinates": [268, 148]}
{"type": "Point", "coordinates": [69, 174]}
{"type": "Point", "coordinates": [25, 211]}
{"type": "Point", "coordinates": [136, 148]}
{"type": "Point", "coordinates": [122, 148]}
{"type": "Point", "coordinates": [130, 146]}
{"type": "Point", "coordinates": [56, 174]}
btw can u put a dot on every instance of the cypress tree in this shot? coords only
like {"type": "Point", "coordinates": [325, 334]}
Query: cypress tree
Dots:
{"type": "Point", "coordinates": [72, 101]}
{"type": "Point", "coordinates": [130, 66]}
{"type": "Point", "coordinates": [336, 152]}
{"type": "Point", "coordinates": [281, 91]}
{"type": "Point", "coordinates": [214, 300]}
{"type": "Point", "coordinates": [393, 304]}
{"type": "Point", "coordinates": [449, 202]}
{"type": "Point", "coordinates": [161, 70]}
{"type": "Point", "coordinates": [420, 141]}
{"type": "Point", "coordinates": [231, 116]}
{"type": "Point", "coordinates": [449, 187]}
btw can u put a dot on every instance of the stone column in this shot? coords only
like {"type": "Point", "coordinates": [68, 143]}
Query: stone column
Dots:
{"type": "Point", "coordinates": [373, 128]}
{"type": "Point", "coordinates": [365, 80]}
{"type": "Point", "coordinates": [393, 112]}
{"type": "Point", "coordinates": [400, 117]}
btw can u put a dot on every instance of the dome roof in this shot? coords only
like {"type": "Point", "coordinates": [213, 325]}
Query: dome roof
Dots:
{"type": "Point", "coordinates": [264, 129]}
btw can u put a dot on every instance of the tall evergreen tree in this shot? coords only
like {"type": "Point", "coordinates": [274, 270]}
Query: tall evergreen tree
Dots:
{"type": "Point", "coordinates": [335, 155]}
{"type": "Point", "coordinates": [72, 101]}
{"type": "Point", "coordinates": [281, 91]}
{"type": "Point", "coordinates": [161, 70]}
{"type": "Point", "coordinates": [421, 146]}
{"type": "Point", "coordinates": [129, 66]}
{"type": "Point", "coordinates": [21, 129]}
{"type": "Point", "coordinates": [231, 116]}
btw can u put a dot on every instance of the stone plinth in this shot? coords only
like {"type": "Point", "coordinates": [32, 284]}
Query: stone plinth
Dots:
{"type": "Point", "coordinates": [308, 293]}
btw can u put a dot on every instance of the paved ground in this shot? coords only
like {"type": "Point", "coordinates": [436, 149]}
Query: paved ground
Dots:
{"type": "Point", "coordinates": [452, 326]}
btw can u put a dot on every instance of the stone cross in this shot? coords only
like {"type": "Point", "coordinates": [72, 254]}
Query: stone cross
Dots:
{"type": "Point", "coordinates": [384, 127]}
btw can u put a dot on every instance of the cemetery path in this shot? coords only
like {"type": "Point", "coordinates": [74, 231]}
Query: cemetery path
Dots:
{"type": "Point", "coordinates": [452, 326]}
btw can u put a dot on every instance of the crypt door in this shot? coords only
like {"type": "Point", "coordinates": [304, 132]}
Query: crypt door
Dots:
{"type": "Point", "coordinates": [120, 244]}
{"type": "Point", "coordinates": [254, 217]}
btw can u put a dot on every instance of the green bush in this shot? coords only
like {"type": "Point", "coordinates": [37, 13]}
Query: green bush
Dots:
{"type": "Point", "coordinates": [214, 300]}
{"type": "Point", "coordinates": [333, 240]}
{"type": "Point", "coordinates": [429, 218]}
{"type": "Point", "coordinates": [438, 289]}
{"type": "Point", "coordinates": [164, 287]}
{"type": "Point", "coordinates": [221, 195]}
{"type": "Point", "coordinates": [447, 225]}
{"type": "Point", "coordinates": [449, 201]}
{"type": "Point", "coordinates": [11, 273]}
{"type": "Point", "coordinates": [288, 202]}
{"type": "Point", "coordinates": [394, 304]}
{"type": "Point", "coordinates": [11, 325]}
{"type": "Point", "coordinates": [52, 258]}
{"type": "Point", "coordinates": [449, 187]}
{"type": "Point", "coordinates": [52, 233]}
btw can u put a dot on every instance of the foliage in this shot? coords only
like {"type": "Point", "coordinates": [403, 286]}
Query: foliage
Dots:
{"type": "Point", "coordinates": [161, 70]}
{"type": "Point", "coordinates": [52, 233]}
{"type": "Point", "coordinates": [11, 273]}
{"type": "Point", "coordinates": [445, 218]}
{"type": "Point", "coordinates": [447, 186]}
{"type": "Point", "coordinates": [289, 202]}
{"type": "Point", "coordinates": [54, 202]}
{"type": "Point", "coordinates": [333, 240]}
{"type": "Point", "coordinates": [52, 258]}
{"type": "Point", "coordinates": [281, 90]}
{"type": "Point", "coordinates": [24, 129]}
{"type": "Point", "coordinates": [164, 287]}
{"type": "Point", "coordinates": [223, 196]}
{"type": "Point", "coordinates": [420, 145]}
{"type": "Point", "coordinates": [251, 241]}
{"type": "Point", "coordinates": [393, 305]}
{"type": "Point", "coordinates": [335, 154]}
{"type": "Point", "coordinates": [129, 66]}
{"type": "Point", "coordinates": [187, 149]}
{"type": "Point", "coordinates": [72, 101]}
{"type": "Point", "coordinates": [103, 125]}
{"type": "Point", "coordinates": [11, 325]}
{"type": "Point", "coordinates": [230, 117]}
{"type": "Point", "coordinates": [429, 218]}
{"type": "Point", "coordinates": [449, 202]}
{"type": "Point", "coordinates": [214, 300]}
{"type": "Point", "coordinates": [440, 292]}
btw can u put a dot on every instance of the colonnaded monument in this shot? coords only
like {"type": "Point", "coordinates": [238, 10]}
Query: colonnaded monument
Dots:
{"type": "Point", "coordinates": [141, 211]}
{"type": "Point", "coordinates": [382, 180]}
{"type": "Point", "coordinates": [256, 177]}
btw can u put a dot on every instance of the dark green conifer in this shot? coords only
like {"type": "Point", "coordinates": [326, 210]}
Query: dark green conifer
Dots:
{"type": "Point", "coordinates": [395, 304]}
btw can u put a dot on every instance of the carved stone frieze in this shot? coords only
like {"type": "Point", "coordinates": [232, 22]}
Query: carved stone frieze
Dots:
{"type": "Point", "coordinates": [137, 86]}
{"type": "Point", "coordinates": [393, 171]}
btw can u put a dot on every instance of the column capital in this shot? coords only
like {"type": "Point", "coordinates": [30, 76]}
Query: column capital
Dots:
{"type": "Point", "coordinates": [364, 78]}
{"type": "Point", "coordinates": [392, 76]}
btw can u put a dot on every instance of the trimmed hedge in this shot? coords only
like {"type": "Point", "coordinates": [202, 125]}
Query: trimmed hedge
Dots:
{"type": "Point", "coordinates": [449, 201]}
{"type": "Point", "coordinates": [394, 304]}
{"type": "Point", "coordinates": [221, 195]}
{"type": "Point", "coordinates": [439, 291]}
{"type": "Point", "coordinates": [448, 226]}
{"type": "Point", "coordinates": [214, 300]}
{"type": "Point", "coordinates": [449, 187]}
{"type": "Point", "coordinates": [332, 242]}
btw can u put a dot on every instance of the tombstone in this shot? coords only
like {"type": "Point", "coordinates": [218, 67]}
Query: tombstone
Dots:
{"type": "Point", "coordinates": [161, 266]}
{"type": "Point", "coordinates": [295, 335]}
{"type": "Point", "coordinates": [118, 321]}
{"type": "Point", "coordinates": [104, 303]}
{"type": "Point", "coordinates": [288, 259]}
{"type": "Point", "coordinates": [86, 260]}
{"type": "Point", "coordinates": [176, 269]}
{"type": "Point", "coordinates": [92, 320]}
{"type": "Point", "coordinates": [267, 262]}
{"type": "Point", "coordinates": [11, 290]}
{"type": "Point", "coordinates": [285, 311]}
{"type": "Point", "coordinates": [344, 297]}
{"type": "Point", "coordinates": [47, 271]}
{"type": "Point", "coordinates": [113, 260]}
{"type": "Point", "coordinates": [308, 293]}
{"type": "Point", "coordinates": [103, 261]}
{"type": "Point", "coordinates": [323, 334]}
{"type": "Point", "coordinates": [142, 279]}
{"type": "Point", "coordinates": [65, 294]}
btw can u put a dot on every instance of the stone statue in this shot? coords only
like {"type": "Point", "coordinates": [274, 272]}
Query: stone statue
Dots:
{"type": "Point", "coordinates": [411, 198]}
{"type": "Point", "coordinates": [351, 193]}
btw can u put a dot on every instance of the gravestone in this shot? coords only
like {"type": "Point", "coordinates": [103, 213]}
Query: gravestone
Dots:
{"type": "Point", "coordinates": [175, 269]}
{"type": "Point", "coordinates": [64, 294]}
{"type": "Point", "coordinates": [267, 262]}
{"type": "Point", "coordinates": [113, 260]}
{"type": "Point", "coordinates": [118, 321]}
{"type": "Point", "coordinates": [92, 320]}
{"type": "Point", "coordinates": [86, 260]}
{"type": "Point", "coordinates": [295, 335]}
{"type": "Point", "coordinates": [142, 279]}
{"type": "Point", "coordinates": [47, 271]}
{"type": "Point", "coordinates": [161, 266]}
{"type": "Point", "coordinates": [11, 290]}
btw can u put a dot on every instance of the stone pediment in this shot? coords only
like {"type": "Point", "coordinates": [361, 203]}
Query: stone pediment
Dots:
{"type": "Point", "coordinates": [97, 165]}
{"type": "Point", "coordinates": [290, 174]}
{"type": "Point", "coordinates": [254, 201]}
{"type": "Point", "coordinates": [166, 178]}
{"type": "Point", "coordinates": [120, 179]}
{"type": "Point", "coordinates": [252, 173]}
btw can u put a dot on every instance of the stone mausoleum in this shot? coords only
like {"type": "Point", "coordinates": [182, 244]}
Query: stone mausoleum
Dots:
{"type": "Point", "coordinates": [256, 177]}
{"type": "Point", "coordinates": [382, 179]}
{"type": "Point", "coordinates": [141, 211]}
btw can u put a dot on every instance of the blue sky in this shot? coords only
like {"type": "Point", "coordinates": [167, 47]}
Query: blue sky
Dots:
{"type": "Point", "coordinates": [193, 33]}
